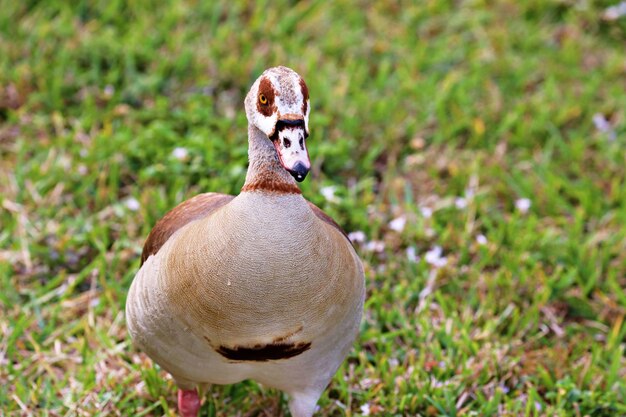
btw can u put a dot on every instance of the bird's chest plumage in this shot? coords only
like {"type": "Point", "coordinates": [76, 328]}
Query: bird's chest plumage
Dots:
{"type": "Point", "coordinates": [260, 272]}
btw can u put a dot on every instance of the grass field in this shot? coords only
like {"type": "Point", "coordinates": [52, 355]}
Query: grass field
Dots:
{"type": "Point", "coordinates": [477, 151]}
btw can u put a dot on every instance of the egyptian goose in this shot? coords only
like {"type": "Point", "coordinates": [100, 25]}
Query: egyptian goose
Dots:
{"type": "Point", "coordinates": [261, 286]}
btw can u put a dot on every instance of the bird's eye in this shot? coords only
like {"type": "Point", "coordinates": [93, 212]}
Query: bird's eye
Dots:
{"type": "Point", "coordinates": [262, 99]}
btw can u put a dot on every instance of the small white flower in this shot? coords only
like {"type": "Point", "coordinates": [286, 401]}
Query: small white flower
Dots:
{"type": "Point", "coordinates": [437, 383]}
{"type": "Point", "coordinates": [365, 409]}
{"type": "Point", "coordinates": [375, 246]}
{"type": "Point", "coordinates": [523, 204]}
{"type": "Point", "coordinates": [434, 253]}
{"type": "Point", "coordinates": [82, 169]}
{"type": "Point", "coordinates": [602, 124]}
{"type": "Point", "coordinates": [357, 237]}
{"type": "Point", "coordinates": [398, 224]}
{"type": "Point", "coordinates": [434, 258]}
{"type": "Point", "coordinates": [329, 193]}
{"type": "Point", "coordinates": [368, 383]}
{"type": "Point", "coordinates": [427, 213]}
{"type": "Point", "coordinates": [460, 203]}
{"type": "Point", "coordinates": [109, 90]}
{"type": "Point", "coordinates": [132, 204]}
{"type": "Point", "coordinates": [615, 12]}
{"type": "Point", "coordinates": [481, 239]}
{"type": "Point", "coordinates": [411, 254]}
{"type": "Point", "coordinates": [180, 153]}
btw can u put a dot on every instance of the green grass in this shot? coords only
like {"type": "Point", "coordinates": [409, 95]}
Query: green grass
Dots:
{"type": "Point", "coordinates": [413, 107]}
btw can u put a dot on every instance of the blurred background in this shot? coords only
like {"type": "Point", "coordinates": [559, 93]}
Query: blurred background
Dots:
{"type": "Point", "coordinates": [474, 150]}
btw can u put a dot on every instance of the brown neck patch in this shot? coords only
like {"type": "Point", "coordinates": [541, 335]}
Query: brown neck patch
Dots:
{"type": "Point", "coordinates": [272, 185]}
{"type": "Point", "coordinates": [305, 96]}
{"type": "Point", "coordinates": [266, 89]}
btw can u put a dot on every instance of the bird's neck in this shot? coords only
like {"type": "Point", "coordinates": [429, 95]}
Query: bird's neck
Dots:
{"type": "Point", "coordinates": [265, 173]}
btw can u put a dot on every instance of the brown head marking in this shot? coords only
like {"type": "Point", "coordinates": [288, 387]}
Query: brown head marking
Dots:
{"type": "Point", "coordinates": [305, 95]}
{"type": "Point", "coordinates": [266, 88]}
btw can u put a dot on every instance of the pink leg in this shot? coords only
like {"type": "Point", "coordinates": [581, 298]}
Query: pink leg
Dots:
{"type": "Point", "coordinates": [188, 403]}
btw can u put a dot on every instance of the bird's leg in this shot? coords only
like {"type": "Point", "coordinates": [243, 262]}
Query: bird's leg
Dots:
{"type": "Point", "coordinates": [303, 404]}
{"type": "Point", "coordinates": [188, 403]}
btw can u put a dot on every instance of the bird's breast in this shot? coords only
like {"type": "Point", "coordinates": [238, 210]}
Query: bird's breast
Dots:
{"type": "Point", "coordinates": [254, 279]}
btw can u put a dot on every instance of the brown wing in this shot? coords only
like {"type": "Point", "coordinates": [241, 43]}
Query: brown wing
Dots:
{"type": "Point", "coordinates": [195, 208]}
{"type": "Point", "coordinates": [325, 217]}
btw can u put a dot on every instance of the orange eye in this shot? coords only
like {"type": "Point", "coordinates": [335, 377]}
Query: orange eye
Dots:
{"type": "Point", "coordinates": [262, 99]}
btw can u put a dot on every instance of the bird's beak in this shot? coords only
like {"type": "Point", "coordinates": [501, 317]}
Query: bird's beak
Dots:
{"type": "Point", "coordinates": [289, 139]}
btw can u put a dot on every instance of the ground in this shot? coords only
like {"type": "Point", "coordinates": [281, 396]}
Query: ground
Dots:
{"type": "Point", "coordinates": [475, 151]}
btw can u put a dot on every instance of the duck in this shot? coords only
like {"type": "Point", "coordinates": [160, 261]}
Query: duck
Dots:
{"type": "Point", "coordinates": [263, 285]}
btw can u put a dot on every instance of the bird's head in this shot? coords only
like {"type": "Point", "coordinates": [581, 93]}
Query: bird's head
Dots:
{"type": "Point", "coordinates": [278, 105]}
